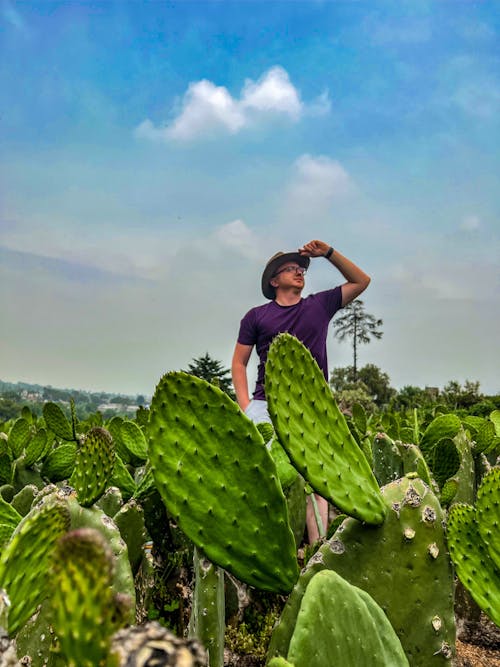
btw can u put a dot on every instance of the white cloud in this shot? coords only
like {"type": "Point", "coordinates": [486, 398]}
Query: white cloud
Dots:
{"type": "Point", "coordinates": [470, 223]}
{"type": "Point", "coordinates": [206, 108]}
{"type": "Point", "coordinates": [273, 92]}
{"type": "Point", "coordinates": [317, 181]}
{"type": "Point", "coordinates": [237, 236]}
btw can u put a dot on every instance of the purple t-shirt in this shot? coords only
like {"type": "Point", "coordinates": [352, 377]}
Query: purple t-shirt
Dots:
{"type": "Point", "coordinates": [307, 320]}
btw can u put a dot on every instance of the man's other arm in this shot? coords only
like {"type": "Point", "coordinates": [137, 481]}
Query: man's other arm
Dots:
{"type": "Point", "coordinates": [239, 373]}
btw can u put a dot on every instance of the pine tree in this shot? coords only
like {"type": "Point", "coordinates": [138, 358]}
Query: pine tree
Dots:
{"type": "Point", "coordinates": [212, 371]}
{"type": "Point", "coordinates": [355, 323]}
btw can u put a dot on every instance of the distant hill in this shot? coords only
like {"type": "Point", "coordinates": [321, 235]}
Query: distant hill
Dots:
{"type": "Point", "coordinates": [14, 395]}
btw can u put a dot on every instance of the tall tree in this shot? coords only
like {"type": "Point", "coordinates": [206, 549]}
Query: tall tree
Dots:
{"type": "Point", "coordinates": [359, 325]}
{"type": "Point", "coordinates": [212, 371]}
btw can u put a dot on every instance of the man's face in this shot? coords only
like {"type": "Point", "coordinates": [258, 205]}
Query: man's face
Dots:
{"type": "Point", "coordinates": [289, 274]}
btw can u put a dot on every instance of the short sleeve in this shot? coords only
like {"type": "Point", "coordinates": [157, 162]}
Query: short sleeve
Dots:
{"type": "Point", "coordinates": [332, 300]}
{"type": "Point", "coordinates": [248, 331]}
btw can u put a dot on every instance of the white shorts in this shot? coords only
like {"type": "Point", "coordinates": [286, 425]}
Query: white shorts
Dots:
{"type": "Point", "coordinates": [257, 411]}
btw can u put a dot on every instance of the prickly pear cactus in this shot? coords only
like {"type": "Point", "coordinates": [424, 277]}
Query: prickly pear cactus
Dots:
{"type": "Point", "coordinates": [59, 463]}
{"type": "Point", "coordinates": [134, 440]}
{"type": "Point", "coordinates": [488, 513]}
{"type": "Point", "coordinates": [56, 421]}
{"type": "Point", "coordinates": [413, 461]}
{"type": "Point", "coordinates": [122, 478]}
{"type": "Point", "coordinates": [402, 564]}
{"type": "Point", "coordinates": [83, 600]}
{"type": "Point", "coordinates": [445, 461]}
{"type": "Point", "coordinates": [95, 518]}
{"type": "Point", "coordinates": [26, 559]}
{"type": "Point", "coordinates": [130, 522]}
{"type": "Point", "coordinates": [19, 435]}
{"type": "Point", "coordinates": [35, 447]}
{"type": "Point", "coordinates": [315, 434]}
{"type": "Point", "coordinates": [207, 621]}
{"type": "Point", "coordinates": [466, 472]}
{"type": "Point", "coordinates": [475, 567]}
{"type": "Point", "coordinates": [94, 463]}
{"type": "Point", "coordinates": [387, 460]}
{"type": "Point", "coordinates": [340, 624]}
{"type": "Point", "coordinates": [443, 426]}
{"type": "Point", "coordinates": [218, 480]}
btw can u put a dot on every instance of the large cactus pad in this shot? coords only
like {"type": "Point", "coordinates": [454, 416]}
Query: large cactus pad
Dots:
{"type": "Point", "coordinates": [218, 480]}
{"type": "Point", "coordinates": [315, 434]}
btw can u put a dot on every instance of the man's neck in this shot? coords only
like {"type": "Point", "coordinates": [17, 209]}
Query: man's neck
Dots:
{"type": "Point", "coordinates": [288, 297]}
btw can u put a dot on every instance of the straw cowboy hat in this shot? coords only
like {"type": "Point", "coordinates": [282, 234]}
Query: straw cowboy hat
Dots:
{"type": "Point", "coordinates": [274, 264]}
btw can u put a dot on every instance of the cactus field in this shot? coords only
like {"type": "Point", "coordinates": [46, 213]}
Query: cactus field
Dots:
{"type": "Point", "coordinates": [178, 536]}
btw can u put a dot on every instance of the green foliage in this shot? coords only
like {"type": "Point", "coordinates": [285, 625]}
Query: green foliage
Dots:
{"type": "Point", "coordinates": [370, 378]}
{"type": "Point", "coordinates": [212, 371]}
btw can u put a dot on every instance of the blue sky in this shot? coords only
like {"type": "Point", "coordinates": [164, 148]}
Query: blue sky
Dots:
{"type": "Point", "coordinates": [153, 155]}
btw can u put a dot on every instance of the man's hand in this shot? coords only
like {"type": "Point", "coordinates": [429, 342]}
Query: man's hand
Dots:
{"type": "Point", "coordinates": [314, 249]}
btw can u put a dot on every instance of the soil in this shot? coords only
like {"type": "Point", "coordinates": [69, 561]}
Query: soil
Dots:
{"type": "Point", "coordinates": [479, 645]}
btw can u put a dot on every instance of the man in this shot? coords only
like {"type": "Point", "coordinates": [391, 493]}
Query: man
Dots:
{"type": "Point", "coordinates": [306, 318]}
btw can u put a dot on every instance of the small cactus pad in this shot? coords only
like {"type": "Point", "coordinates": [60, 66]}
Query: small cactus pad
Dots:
{"type": "Point", "coordinates": [82, 601]}
{"type": "Point", "coordinates": [25, 560]}
{"type": "Point", "coordinates": [475, 568]}
{"type": "Point", "coordinates": [340, 624]}
{"type": "Point", "coordinates": [387, 460]}
{"type": "Point", "coordinates": [35, 448]}
{"type": "Point", "coordinates": [94, 463]}
{"type": "Point", "coordinates": [19, 436]}
{"type": "Point", "coordinates": [59, 463]}
{"type": "Point", "coordinates": [122, 478]}
{"type": "Point", "coordinates": [445, 461]}
{"type": "Point", "coordinates": [218, 480]}
{"type": "Point", "coordinates": [443, 426]}
{"type": "Point", "coordinates": [56, 421]}
{"type": "Point", "coordinates": [488, 513]}
{"type": "Point", "coordinates": [133, 439]}
{"type": "Point", "coordinates": [314, 432]}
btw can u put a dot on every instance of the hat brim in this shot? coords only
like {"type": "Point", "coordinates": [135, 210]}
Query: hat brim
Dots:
{"type": "Point", "coordinates": [273, 265]}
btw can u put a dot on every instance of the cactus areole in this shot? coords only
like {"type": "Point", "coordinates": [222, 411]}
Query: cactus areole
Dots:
{"type": "Point", "coordinates": [218, 480]}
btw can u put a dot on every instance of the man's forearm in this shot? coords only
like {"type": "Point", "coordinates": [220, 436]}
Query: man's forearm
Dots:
{"type": "Point", "coordinates": [240, 384]}
{"type": "Point", "coordinates": [349, 270]}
